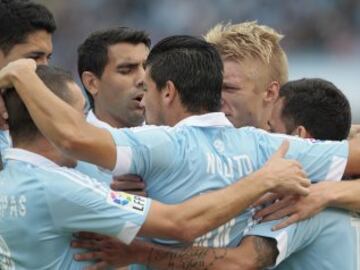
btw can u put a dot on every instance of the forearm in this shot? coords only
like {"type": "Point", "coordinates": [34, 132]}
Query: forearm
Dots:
{"type": "Point", "coordinates": [211, 210]}
{"type": "Point", "coordinates": [200, 214]}
{"type": "Point", "coordinates": [193, 258]}
{"type": "Point", "coordinates": [344, 194]}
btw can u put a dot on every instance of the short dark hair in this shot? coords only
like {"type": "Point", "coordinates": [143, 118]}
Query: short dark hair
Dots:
{"type": "Point", "coordinates": [194, 66]}
{"type": "Point", "coordinates": [22, 128]}
{"type": "Point", "coordinates": [93, 52]}
{"type": "Point", "coordinates": [319, 106]}
{"type": "Point", "coordinates": [19, 18]}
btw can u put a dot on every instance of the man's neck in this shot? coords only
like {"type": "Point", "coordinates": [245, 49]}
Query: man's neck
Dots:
{"type": "Point", "coordinates": [107, 118]}
{"type": "Point", "coordinates": [43, 148]}
{"type": "Point", "coordinates": [175, 118]}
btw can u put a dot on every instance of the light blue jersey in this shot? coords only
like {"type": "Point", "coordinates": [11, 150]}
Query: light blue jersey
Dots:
{"type": "Point", "coordinates": [91, 169]}
{"type": "Point", "coordinates": [327, 241]}
{"type": "Point", "coordinates": [42, 205]}
{"type": "Point", "coordinates": [204, 153]}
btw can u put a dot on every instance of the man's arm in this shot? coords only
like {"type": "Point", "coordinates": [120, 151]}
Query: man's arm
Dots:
{"type": "Point", "coordinates": [354, 131]}
{"type": "Point", "coordinates": [57, 120]}
{"type": "Point", "coordinates": [353, 165]}
{"type": "Point", "coordinates": [253, 253]}
{"type": "Point", "coordinates": [344, 194]}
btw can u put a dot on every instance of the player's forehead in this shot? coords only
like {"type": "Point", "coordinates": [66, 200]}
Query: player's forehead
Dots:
{"type": "Point", "coordinates": [124, 52]}
{"type": "Point", "coordinates": [240, 70]}
{"type": "Point", "coordinates": [38, 42]}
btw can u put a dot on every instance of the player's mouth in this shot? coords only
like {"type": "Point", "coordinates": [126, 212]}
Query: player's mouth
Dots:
{"type": "Point", "coordinates": [138, 99]}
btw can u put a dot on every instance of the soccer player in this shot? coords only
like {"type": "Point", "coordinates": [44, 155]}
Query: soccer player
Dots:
{"type": "Point", "coordinates": [43, 203]}
{"type": "Point", "coordinates": [310, 108]}
{"type": "Point", "coordinates": [111, 68]}
{"type": "Point", "coordinates": [26, 29]}
{"type": "Point", "coordinates": [255, 66]}
{"type": "Point", "coordinates": [294, 113]}
{"type": "Point", "coordinates": [299, 101]}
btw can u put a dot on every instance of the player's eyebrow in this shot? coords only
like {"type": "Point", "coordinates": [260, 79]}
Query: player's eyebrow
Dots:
{"type": "Point", "coordinates": [127, 65]}
{"type": "Point", "coordinates": [36, 54]}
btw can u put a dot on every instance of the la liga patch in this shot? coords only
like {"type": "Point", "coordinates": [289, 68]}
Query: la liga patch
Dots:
{"type": "Point", "coordinates": [126, 201]}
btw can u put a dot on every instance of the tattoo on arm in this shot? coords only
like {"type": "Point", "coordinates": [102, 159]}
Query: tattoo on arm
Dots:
{"type": "Point", "coordinates": [192, 258]}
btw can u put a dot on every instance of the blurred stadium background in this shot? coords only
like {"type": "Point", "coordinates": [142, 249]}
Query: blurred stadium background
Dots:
{"type": "Point", "coordinates": [322, 37]}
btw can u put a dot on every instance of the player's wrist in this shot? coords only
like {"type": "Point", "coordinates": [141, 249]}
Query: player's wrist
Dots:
{"type": "Point", "coordinates": [141, 252]}
{"type": "Point", "coordinates": [327, 196]}
{"type": "Point", "coordinates": [264, 181]}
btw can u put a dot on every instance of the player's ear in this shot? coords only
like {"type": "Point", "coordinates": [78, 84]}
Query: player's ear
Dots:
{"type": "Point", "coordinates": [91, 82]}
{"type": "Point", "coordinates": [169, 92]}
{"type": "Point", "coordinates": [302, 132]}
{"type": "Point", "coordinates": [272, 92]}
{"type": "Point", "coordinates": [2, 58]}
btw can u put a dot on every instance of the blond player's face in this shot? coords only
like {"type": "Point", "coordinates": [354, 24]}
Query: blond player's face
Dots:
{"type": "Point", "coordinates": [243, 93]}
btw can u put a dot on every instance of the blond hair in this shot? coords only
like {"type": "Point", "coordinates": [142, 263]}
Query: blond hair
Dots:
{"type": "Point", "coordinates": [249, 40]}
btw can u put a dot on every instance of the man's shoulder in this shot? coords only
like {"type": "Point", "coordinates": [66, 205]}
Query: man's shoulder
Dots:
{"type": "Point", "coordinates": [66, 179]}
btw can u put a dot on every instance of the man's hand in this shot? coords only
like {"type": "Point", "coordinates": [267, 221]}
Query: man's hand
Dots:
{"type": "Point", "coordinates": [294, 207]}
{"type": "Point", "coordinates": [287, 176]}
{"type": "Point", "coordinates": [21, 66]}
{"type": "Point", "coordinates": [129, 183]}
{"type": "Point", "coordinates": [106, 250]}
{"type": "Point", "coordinates": [354, 131]}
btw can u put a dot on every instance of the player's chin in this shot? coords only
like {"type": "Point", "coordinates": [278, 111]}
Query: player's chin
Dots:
{"type": "Point", "coordinates": [71, 163]}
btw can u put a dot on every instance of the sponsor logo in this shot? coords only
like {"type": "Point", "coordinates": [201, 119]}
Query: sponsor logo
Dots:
{"type": "Point", "coordinates": [121, 198]}
{"type": "Point", "coordinates": [127, 201]}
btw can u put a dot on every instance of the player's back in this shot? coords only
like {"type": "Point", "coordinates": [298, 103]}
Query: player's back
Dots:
{"type": "Point", "coordinates": [332, 243]}
{"type": "Point", "coordinates": [29, 237]}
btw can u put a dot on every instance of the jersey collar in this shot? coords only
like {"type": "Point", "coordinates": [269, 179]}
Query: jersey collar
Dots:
{"type": "Point", "coordinates": [27, 156]}
{"type": "Point", "coordinates": [92, 119]}
{"type": "Point", "coordinates": [216, 119]}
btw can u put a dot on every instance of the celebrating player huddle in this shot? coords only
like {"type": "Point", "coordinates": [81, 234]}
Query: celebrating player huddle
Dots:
{"type": "Point", "coordinates": [172, 150]}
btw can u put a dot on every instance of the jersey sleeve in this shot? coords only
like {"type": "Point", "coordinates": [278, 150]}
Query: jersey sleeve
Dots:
{"type": "Point", "coordinates": [321, 160]}
{"type": "Point", "coordinates": [80, 203]}
{"type": "Point", "coordinates": [144, 150]}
